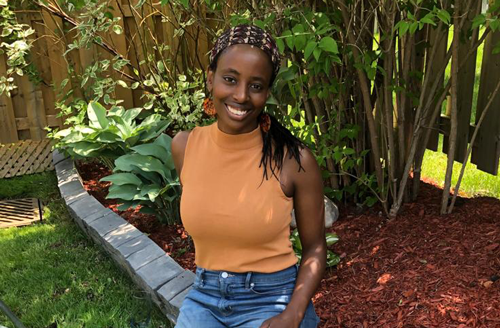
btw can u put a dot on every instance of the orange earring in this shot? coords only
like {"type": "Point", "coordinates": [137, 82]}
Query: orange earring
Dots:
{"type": "Point", "coordinates": [265, 122]}
{"type": "Point", "coordinates": [209, 107]}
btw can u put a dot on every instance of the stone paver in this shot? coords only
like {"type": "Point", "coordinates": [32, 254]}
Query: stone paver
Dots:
{"type": "Point", "coordinates": [175, 286]}
{"type": "Point", "coordinates": [158, 272]}
{"type": "Point", "coordinates": [133, 246]}
{"type": "Point", "coordinates": [121, 235]}
{"type": "Point", "coordinates": [144, 256]}
{"type": "Point", "coordinates": [84, 207]}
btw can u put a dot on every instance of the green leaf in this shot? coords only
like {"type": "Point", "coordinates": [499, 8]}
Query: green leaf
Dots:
{"type": "Point", "coordinates": [332, 259]}
{"type": "Point", "coordinates": [151, 191]}
{"type": "Point", "coordinates": [413, 27]}
{"type": "Point", "coordinates": [122, 179]}
{"type": "Point", "coordinates": [311, 45]}
{"type": "Point", "coordinates": [331, 239]}
{"type": "Point", "coordinates": [85, 149]}
{"type": "Point", "coordinates": [131, 114]}
{"type": "Point", "coordinates": [317, 53]}
{"type": "Point", "coordinates": [281, 45]}
{"type": "Point", "coordinates": [428, 19]}
{"type": "Point", "coordinates": [125, 192]}
{"type": "Point", "coordinates": [185, 3]}
{"type": "Point", "coordinates": [260, 24]}
{"type": "Point", "coordinates": [288, 39]}
{"type": "Point", "coordinates": [299, 39]}
{"type": "Point", "coordinates": [403, 27]}
{"type": "Point", "coordinates": [329, 44]}
{"type": "Point", "coordinates": [97, 115]}
{"type": "Point", "coordinates": [444, 16]}
{"type": "Point", "coordinates": [495, 24]}
{"type": "Point", "coordinates": [151, 150]}
{"type": "Point", "coordinates": [478, 21]}
{"type": "Point", "coordinates": [146, 163]}
{"type": "Point", "coordinates": [165, 141]}
{"type": "Point", "coordinates": [117, 29]}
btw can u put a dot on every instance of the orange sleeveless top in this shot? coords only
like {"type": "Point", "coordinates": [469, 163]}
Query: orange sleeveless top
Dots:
{"type": "Point", "coordinates": [238, 221]}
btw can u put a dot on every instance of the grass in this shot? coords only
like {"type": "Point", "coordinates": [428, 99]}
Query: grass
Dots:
{"type": "Point", "coordinates": [52, 275]}
{"type": "Point", "coordinates": [474, 182]}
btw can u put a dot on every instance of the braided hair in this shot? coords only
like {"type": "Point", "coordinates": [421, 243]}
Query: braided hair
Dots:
{"type": "Point", "coordinates": [277, 138]}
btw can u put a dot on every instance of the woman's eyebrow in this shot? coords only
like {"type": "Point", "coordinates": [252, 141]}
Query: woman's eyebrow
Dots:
{"type": "Point", "coordinates": [235, 72]}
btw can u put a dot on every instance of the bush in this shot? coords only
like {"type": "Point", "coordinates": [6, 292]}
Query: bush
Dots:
{"type": "Point", "coordinates": [147, 178]}
{"type": "Point", "coordinates": [109, 134]}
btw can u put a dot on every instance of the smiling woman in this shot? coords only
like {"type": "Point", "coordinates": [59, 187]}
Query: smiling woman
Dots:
{"type": "Point", "coordinates": [241, 178]}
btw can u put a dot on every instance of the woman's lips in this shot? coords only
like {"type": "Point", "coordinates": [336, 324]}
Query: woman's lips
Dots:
{"type": "Point", "coordinates": [236, 112]}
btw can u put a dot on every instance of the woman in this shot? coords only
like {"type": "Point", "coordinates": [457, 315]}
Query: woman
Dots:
{"type": "Point", "coordinates": [241, 177]}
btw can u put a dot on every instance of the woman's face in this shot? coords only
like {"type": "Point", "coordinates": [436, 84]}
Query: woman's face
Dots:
{"type": "Point", "coordinates": [240, 87]}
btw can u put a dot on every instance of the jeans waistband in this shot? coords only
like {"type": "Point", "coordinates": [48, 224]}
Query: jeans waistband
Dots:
{"type": "Point", "coordinates": [247, 277]}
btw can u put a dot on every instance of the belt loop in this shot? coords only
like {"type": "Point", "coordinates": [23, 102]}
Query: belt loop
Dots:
{"type": "Point", "coordinates": [247, 280]}
{"type": "Point", "coordinates": [201, 274]}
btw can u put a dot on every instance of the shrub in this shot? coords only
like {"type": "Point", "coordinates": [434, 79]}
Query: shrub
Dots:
{"type": "Point", "coordinates": [147, 178]}
{"type": "Point", "coordinates": [108, 134]}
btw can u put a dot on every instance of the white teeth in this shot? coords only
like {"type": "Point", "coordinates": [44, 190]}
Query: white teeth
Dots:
{"type": "Point", "coordinates": [236, 111]}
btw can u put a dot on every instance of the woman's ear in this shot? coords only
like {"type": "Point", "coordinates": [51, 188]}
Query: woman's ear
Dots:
{"type": "Point", "coordinates": [210, 79]}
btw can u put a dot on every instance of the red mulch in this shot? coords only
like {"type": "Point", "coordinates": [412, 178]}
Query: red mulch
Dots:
{"type": "Point", "coordinates": [419, 270]}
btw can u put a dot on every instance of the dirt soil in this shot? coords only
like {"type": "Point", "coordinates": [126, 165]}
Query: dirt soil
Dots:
{"type": "Point", "coordinates": [418, 270]}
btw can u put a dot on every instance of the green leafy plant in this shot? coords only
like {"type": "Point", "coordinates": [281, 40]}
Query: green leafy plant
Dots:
{"type": "Point", "coordinates": [147, 178]}
{"type": "Point", "coordinates": [332, 259]}
{"type": "Point", "coordinates": [108, 134]}
{"type": "Point", "coordinates": [181, 103]}
{"type": "Point", "coordinates": [15, 44]}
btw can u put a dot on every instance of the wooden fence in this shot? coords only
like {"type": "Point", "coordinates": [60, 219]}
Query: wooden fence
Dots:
{"type": "Point", "coordinates": [32, 106]}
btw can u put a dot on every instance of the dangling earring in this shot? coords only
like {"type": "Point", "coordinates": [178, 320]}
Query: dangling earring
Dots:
{"type": "Point", "coordinates": [265, 122]}
{"type": "Point", "coordinates": [209, 107]}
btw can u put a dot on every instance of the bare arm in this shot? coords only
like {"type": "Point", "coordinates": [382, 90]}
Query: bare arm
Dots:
{"type": "Point", "coordinates": [178, 149]}
{"type": "Point", "coordinates": [310, 213]}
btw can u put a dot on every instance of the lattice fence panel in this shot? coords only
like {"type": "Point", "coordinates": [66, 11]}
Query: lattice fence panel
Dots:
{"type": "Point", "coordinates": [19, 212]}
{"type": "Point", "coordinates": [25, 157]}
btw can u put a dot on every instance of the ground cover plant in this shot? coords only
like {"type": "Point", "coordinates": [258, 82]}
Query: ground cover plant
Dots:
{"type": "Point", "coordinates": [52, 275]}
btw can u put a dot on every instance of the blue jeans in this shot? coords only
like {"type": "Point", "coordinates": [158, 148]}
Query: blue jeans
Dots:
{"type": "Point", "coordinates": [239, 300]}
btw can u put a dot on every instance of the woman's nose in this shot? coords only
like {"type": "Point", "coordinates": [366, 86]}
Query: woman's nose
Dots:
{"type": "Point", "coordinates": [240, 93]}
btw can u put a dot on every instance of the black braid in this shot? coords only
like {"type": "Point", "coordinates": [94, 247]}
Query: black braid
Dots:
{"type": "Point", "coordinates": [273, 150]}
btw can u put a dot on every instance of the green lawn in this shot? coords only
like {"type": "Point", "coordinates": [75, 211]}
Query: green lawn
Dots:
{"type": "Point", "coordinates": [474, 182]}
{"type": "Point", "coordinates": [52, 273]}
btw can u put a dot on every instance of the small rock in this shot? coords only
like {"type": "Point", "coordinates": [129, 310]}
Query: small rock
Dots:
{"type": "Point", "coordinates": [331, 214]}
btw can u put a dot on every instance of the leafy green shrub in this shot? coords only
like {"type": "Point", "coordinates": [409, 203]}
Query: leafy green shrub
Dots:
{"type": "Point", "coordinates": [109, 134]}
{"type": "Point", "coordinates": [181, 103]}
{"type": "Point", "coordinates": [147, 178]}
{"type": "Point", "coordinates": [332, 259]}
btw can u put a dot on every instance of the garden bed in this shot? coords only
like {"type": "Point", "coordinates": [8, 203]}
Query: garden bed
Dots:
{"type": "Point", "coordinates": [419, 270]}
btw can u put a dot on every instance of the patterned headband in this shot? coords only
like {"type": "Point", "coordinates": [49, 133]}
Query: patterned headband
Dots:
{"type": "Point", "coordinates": [252, 35]}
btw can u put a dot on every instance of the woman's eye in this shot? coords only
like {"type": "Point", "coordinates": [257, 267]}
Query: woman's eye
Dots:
{"type": "Point", "coordinates": [229, 79]}
{"type": "Point", "coordinates": [257, 87]}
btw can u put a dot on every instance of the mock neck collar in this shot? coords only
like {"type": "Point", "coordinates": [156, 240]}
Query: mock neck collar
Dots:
{"type": "Point", "coordinates": [236, 141]}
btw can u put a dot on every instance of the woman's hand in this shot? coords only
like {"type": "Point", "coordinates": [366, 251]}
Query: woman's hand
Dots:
{"type": "Point", "coordinates": [282, 320]}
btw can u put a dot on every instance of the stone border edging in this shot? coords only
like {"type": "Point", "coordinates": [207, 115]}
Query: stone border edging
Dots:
{"type": "Point", "coordinates": [163, 279]}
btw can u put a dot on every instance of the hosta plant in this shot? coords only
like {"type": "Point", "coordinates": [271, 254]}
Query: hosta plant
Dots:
{"type": "Point", "coordinates": [147, 178]}
{"type": "Point", "coordinates": [332, 259]}
{"type": "Point", "coordinates": [108, 134]}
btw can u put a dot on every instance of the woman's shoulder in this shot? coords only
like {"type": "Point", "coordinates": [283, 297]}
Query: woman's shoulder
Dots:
{"type": "Point", "coordinates": [307, 160]}
{"type": "Point", "coordinates": [179, 141]}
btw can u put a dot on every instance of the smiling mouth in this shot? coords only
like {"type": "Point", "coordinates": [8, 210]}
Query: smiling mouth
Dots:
{"type": "Point", "coordinates": [236, 112]}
